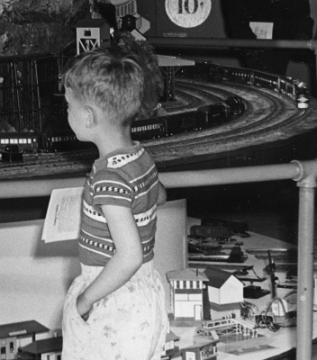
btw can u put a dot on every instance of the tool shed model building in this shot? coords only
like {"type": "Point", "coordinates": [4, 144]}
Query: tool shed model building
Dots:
{"type": "Point", "coordinates": [225, 293]}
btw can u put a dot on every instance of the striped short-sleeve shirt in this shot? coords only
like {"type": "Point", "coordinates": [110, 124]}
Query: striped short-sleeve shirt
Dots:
{"type": "Point", "coordinates": [127, 178]}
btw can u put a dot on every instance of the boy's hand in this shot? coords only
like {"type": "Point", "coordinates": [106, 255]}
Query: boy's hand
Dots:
{"type": "Point", "coordinates": [83, 307]}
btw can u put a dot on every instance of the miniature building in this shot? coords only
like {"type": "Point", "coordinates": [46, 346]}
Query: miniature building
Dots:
{"type": "Point", "coordinates": [47, 349]}
{"type": "Point", "coordinates": [9, 348]}
{"type": "Point", "coordinates": [223, 287]}
{"type": "Point", "coordinates": [225, 293]}
{"type": "Point", "coordinates": [129, 24]}
{"type": "Point", "coordinates": [11, 336]}
{"type": "Point", "coordinates": [200, 352]}
{"type": "Point", "coordinates": [186, 291]}
{"type": "Point", "coordinates": [92, 34]}
{"type": "Point", "coordinates": [169, 348]}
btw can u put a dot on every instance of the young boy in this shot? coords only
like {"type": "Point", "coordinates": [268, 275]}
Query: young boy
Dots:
{"type": "Point", "coordinates": [115, 309]}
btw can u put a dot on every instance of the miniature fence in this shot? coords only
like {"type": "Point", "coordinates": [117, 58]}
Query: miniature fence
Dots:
{"type": "Point", "coordinates": [304, 173]}
{"type": "Point", "coordinates": [228, 326]}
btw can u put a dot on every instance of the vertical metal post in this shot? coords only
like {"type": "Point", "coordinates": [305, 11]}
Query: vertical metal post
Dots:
{"type": "Point", "coordinates": [37, 104]}
{"type": "Point", "coordinates": [316, 68]}
{"type": "Point", "coordinates": [17, 93]}
{"type": "Point", "coordinates": [305, 271]}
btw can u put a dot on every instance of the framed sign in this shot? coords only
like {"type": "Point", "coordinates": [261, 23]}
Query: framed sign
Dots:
{"type": "Point", "coordinates": [178, 18]}
{"type": "Point", "coordinates": [188, 13]}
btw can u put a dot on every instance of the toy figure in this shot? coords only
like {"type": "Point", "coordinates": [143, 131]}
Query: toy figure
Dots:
{"type": "Point", "coordinates": [115, 308]}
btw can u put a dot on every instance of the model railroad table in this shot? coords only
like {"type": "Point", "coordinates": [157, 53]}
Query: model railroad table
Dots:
{"type": "Point", "coordinates": [268, 344]}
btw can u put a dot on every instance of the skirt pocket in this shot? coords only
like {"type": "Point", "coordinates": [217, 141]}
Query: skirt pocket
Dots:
{"type": "Point", "coordinates": [75, 314]}
{"type": "Point", "coordinates": [76, 332]}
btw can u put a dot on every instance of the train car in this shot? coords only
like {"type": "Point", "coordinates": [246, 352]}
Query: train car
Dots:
{"type": "Point", "coordinates": [54, 141]}
{"type": "Point", "coordinates": [214, 115]}
{"type": "Point", "coordinates": [149, 128]}
{"type": "Point", "coordinates": [265, 80]}
{"type": "Point", "coordinates": [287, 87]}
{"type": "Point", "coordinates": [58, 141]}
{"type": "Point", "coordinates": [239, 75]}
{"type": "Point", "coordinates": [180, 123]}
{"type": "Point", "coordinates": [204, 71]}
{"type": "Point", "coordinates": [26, 142]}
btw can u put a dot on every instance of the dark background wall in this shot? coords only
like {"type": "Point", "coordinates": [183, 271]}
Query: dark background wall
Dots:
{"type": "Point", "coordinates": [229, 197]}
{"type": "Point", "coordinates": [213, 27]}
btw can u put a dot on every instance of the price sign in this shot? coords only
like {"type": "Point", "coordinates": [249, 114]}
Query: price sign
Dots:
{"type": "Point", "coordinates": [188, 13]}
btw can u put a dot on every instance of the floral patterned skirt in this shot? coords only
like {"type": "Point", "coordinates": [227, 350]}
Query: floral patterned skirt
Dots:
{"type": "Point", "coordinates": [129, 324]}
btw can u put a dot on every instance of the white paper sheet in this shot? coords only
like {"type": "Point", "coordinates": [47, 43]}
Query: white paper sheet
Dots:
{"type": "Point", "coordinates": [62, 220]}
{"type": "Point", "coordinates": [262, 30]}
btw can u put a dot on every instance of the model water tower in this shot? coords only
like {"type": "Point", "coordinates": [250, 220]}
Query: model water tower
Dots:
{"type": "Point", "coordinates": [92, 34]}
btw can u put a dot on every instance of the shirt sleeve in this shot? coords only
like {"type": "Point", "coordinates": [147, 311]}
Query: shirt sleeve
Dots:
{"type": "Point", "coordinates": [109, 188]}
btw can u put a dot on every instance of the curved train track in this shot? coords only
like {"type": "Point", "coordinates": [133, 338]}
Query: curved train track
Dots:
{"type": "Point", "coordinates": [270, 118]}
{"type": "Point", "coordinates": [270, 121]}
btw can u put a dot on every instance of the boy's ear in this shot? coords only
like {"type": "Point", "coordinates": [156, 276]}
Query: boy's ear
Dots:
{"type": "Point", "coordinates": [90, 116]}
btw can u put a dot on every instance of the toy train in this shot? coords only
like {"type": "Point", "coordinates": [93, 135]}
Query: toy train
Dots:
{"type": "Point", "coordinates": [25, 142]}
{"type": "Point", "coordinates": [15, 143]}
{"type": "Point", "coordinates": [173, 124]}
{"type": "Point", "coordinates": [295, 89]}
{"type": "Point", "coordinates": [202, 118]}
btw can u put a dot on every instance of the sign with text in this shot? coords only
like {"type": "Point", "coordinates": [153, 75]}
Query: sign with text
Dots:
{"type": "Point", "coordinates": [188, 13]}
{"type": "Point", "coordinates": [177, 18]}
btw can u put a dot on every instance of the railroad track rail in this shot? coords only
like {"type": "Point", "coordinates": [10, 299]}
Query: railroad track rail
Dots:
{"type": "Point", "coordinates": [270, 118]}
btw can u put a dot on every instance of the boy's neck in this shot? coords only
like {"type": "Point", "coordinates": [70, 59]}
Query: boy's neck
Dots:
{"type": "Point", "coordinates": [112, 141]}
{"type": "Point", "coordinates": [106, 134]}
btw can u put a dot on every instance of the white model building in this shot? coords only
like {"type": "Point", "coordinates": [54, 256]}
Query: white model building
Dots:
{"type": "Point", "coordinates": [186, 291]}
{"type": "Point", "coordinates": [225, 293]}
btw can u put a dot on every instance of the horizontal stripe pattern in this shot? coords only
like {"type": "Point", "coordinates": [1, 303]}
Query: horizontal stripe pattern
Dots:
{"type": "Point", "coordinates": [128, 179]}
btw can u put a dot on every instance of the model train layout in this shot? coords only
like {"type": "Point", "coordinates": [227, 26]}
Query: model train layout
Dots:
{"type": "Point", "coordinates": [217, 111]}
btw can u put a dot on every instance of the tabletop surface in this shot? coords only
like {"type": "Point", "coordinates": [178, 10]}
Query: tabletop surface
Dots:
{"type": "Point", "coordinates": [269, 344]}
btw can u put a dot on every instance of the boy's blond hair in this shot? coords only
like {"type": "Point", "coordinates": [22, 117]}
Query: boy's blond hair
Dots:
{"type": "Point", "coordinates": [111, 80]}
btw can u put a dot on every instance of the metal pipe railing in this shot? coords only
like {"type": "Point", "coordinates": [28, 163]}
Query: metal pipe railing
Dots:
{"type": "Point", "coordinates": [305, 273]}
{"type": "Point", "coordinates": [204, 43]}
{"type": "Point", "coordinates": [304, 173]}
{"type": "Point", "coordinates": [182, 179]}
